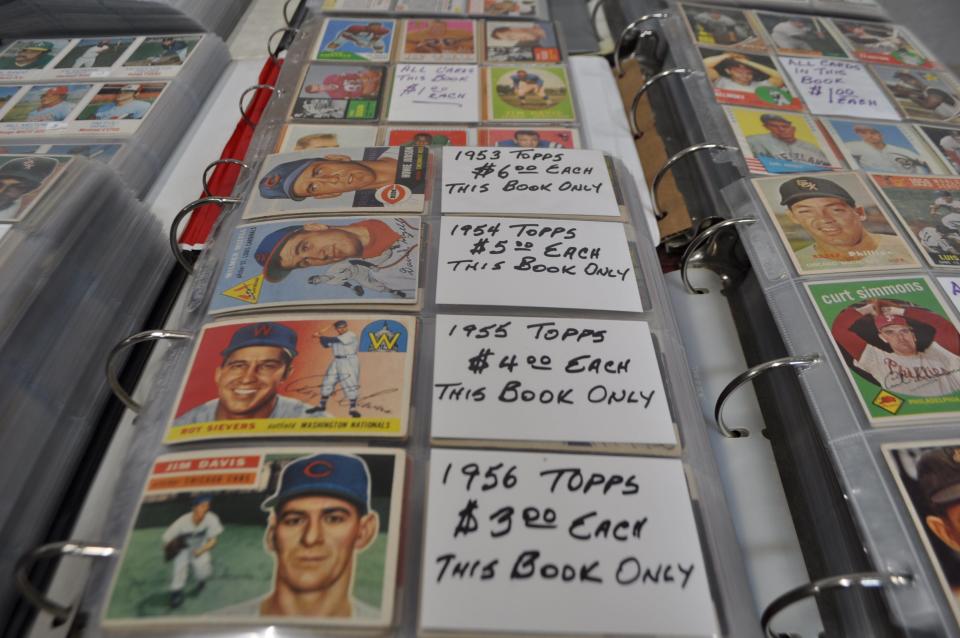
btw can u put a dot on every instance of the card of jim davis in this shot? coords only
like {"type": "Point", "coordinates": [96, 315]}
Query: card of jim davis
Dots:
{"type": "Point", "coordinates": [329, 374]}
{"type": "Point", "coordinates": [309, 137]}
{"type": "Point", "coordinates": [315, 261]}
{"type": "Point", "coordinates": [530, 92]}
{"type": "Point", "coordinates": [946, 142]}
{"type": "Point", "coordinates": [532, 137]}
{"type": "Point", "coordinates": [881, 43]}
{"type": "Point", "coordinates": [25, 178]}
{"type": "Point", "coordinates": [356, 39]}
{"type": "Point", "coordinates": [921, 94]}
{"type": "Point", "coordinates": [521, 41]}
{"type": "Point", "coordinates": [899, 345]}
{"type": "Point", "coordinates": [286, 535]}
{"type": "Point", "coordinates": [929, 207]}
{"type": "Point", "coordinates": [438, 40]}
{"type": "Point", "coordinates": [794, 34]}
{"type": "Point", "coordinates": [833, 223]}
{"type": "Point", "coordinates": [780, 142]}
{"type": "Point", "coordinates": [385, 179]}
{"type": "Point", "coordinates": [880, 147]}
{"type": "Point", "coordinates": [723, 27]}
{"type": "Point", "coordinates": [748, 80]}
{"type": "Point", "coordinates": [340, 92]}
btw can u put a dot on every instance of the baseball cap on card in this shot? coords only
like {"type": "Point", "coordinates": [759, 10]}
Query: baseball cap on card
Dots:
{"type": "Point", "coordinates": [201, 498]}
{"type": "Point", "coordinates": [798, 189]}
{"type": "Point", "coordinates": [268, 253]}
{"type": "Point", "coordinates": [938, 472]}
{"type": "Point", "coordinates": [57, 90]}
{"type": "Point", "coordinates": [882, 321]}
{"type": "Point", "coordinates": [39, 45]}
{"type": "Point", "coordinates": [266, 333]}
{"type": "Point", "coordinates": [31, 169]}
{"type": "Point", "coordinates": [770, 117]}
{"type": "Point", "coordinates": [278, 183]}
{"type": "Point", "coordinates": [340, 323]}
{"type": "Point", "coordinates": [336, 475]}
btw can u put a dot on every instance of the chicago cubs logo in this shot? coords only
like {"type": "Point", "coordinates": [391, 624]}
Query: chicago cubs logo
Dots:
{"type": "Point", "coordinates": [392, 194]}
{"type": "Point", "coordinates": [805, 184]}
{"type": "Point", "coordinates": [319, 469]}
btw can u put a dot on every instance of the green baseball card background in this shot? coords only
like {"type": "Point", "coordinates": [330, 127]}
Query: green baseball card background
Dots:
{"type": "Point", "coordinates": [884, 406]}
{"type": "Point", "coordinates": [556, 105]}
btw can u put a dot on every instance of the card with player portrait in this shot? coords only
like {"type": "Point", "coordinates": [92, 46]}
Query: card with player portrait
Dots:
{"type": "Point", "coordinates": [533, 137]}
{"type": "Point", "coordinates": [880, 147]}
{"type": "Point", "coordinates": [41, 108]}
{"type": "Point", "coordinates": [833, 223]}
{"type": "Point", "coordinates": [431, 6]}
{"type": "Point", "coordinates": [505, 8]}
{"type": "Point", "coordinates": [946, 143]}
{"type": "Point", "coordinates": [92, 57]}
{"type": "Point", "coordinates": [355, 40]}
{"type": "Point", "coordinates": [438, 40]}
{"type": "Point", "coordinates": [329, 374]}
{"type": "Point", "coordinates": [339, 92]}
{"type": "Point", "coordinates": [230, 536]}
{"type": "Point", "coordinates": [25, 178]}
{"type": "Point", "coordinates": [311, 137]}
{"type": "Point", "coordinates": [898, 344]}
{"type": "Point", "coordinates": [23, 58]}
{"type": "Point", "coordinates": [781, 142]}
{"type": "Point", "coordinates": [521, 41]}
{"type": "Point", "coordinates": [881, 43]}
{"type": "Point", "coordinates": [317, 261]}
{"type": "Point", "coordinates": [162, 51]}
{"type": "Point", "coordinates": [384, 179]}
{"type": "Point", "coordinates": [795, 34]}
{"type": "Point", "coordinates": [357, 6]}
{"type": "Point", "coordinates": [435, 93]}
{"type": "Point", "coordinates": [429, 136]}
{"type": "Point", "coordinates": [529, 92]}
{"type": "Point", "coordinates": [929, 208]}
{"type": "Point", "coordinates": [748, 80]}
{"type": "Point", "coordinates": [921, 94]}
{"type": "Point", "coordinates": [723, 27]}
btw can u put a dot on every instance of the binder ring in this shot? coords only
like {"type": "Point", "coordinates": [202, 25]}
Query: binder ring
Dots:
{"type": "Point", "coordinates": [630, 28]}
{"type": "Point", "coordinates": [287, 20]}
{"type": "Point", "coordinates": [593, 17]}
{"type": "Point", "coordinates": [69, 548]}
{"type": "Point", "coordinates": [699, 241]}
{"type": "Point", "coordinates": [206, 172]}
{"type": "Point", "coordinates": [673, 160]}
{"type": "Point", "coordinates": [274, 52]}
{"type": "Point", "coordinates": [132, 340]}
{"type": "Point", "coordinates": [863, 580]}
{"type": "Point", "coordinates": [186, 210]}
{"type": "Point", "coordinates": [801, 362]}
{"type": "Point", "coordinates": [634, 126]}
{"type": "Point", "coordinates": [255, 87]}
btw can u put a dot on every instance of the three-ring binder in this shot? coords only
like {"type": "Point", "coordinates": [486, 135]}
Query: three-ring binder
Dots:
{"type": "Point", "coordinates": [205, 179]}
{"type": "Point", "coordinates": [709, 146]}
{"type": "Point", "coordinates": [186, 210]}
{"type": "Point", "coordinates": [693, 253]}
{"type": "Point", "coordinates": [634, 125]}
{"type": "Point", "coordinates": [288, 20]}
{"type": "Point", "coordinates": [274, 53]}
{"type": "Point", "coordinates": [246, 91]}
{"type": "Point", "coordinates": [68, 548]}
{"type": "Point", "coordinates": [660, 15]}
{"type": "Point", "coordinates": [132, 340]}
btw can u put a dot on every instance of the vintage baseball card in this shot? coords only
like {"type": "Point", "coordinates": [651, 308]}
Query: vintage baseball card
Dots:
{"type": "Point", "coordinates": [880, 147]}
{"type": "Point", "coordinates": [723, 27]}
{"type": "Point", "coordinates": [528, 92]}
{"type": "Point", "coordinates": [25, 178]}
{"type": "Point", "coordinates": [833, 223]}
{"type": "Point", "coordinates": [331, 374]}
{"type": "Point", "coordinates": [92, 57]}
{"type": "Point", "coordinates": [383, 179]}
{"type": "Point", "coordinates": [505, 8]}
{"type": "Point", "coordinates": [591, 544]}
{"type": "Point", "coordinates": [838, 87]}
{"type": "Point", "coordinates": [432, 6]}
{"type": "Point", "coordinates": [311, 137]}
{"type": "Point", "coordinates": [429, 136]}
{"type": "Point", "coordinates": [946, 143]}
{"type": "Point", "coordinates": [357, 6]}
{"type": "Point", "coordinates": [340, 92]}
{"type": "Point", "coordinates": [929, 208]}
{"type": "Point", "coordinates": [23, 58]}
{"type": "Point", "coordinates": [881, 43]}
{"type": "Point", "coordinates": [921, 94]}
{"type": "Point", "coordinates": [316, 261]}
{"type": "Point", "coordinates": [300, 535]}
{"type": "Point", "coordinates": [795, 34]}
{"type": "Point", "coordinates": [747, 79]}
{"type": "Point", "coordinates": [532, 137]}
{"type": "Point", "coordinates": [438, 40]}
{"type": "Point", "coordinates": [356, 40]}
{"type": "Point", "coordinates": [781, 142]}
{"type": "Point", "coordinates": [435, 93]}
{"type": "Point", "coordinates": [898, 343]}
{"type": "Point", "coordinates": [521, 41]}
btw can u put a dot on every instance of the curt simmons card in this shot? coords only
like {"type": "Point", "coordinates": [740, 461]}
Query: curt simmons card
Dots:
{"type": "Point", "coordinates": [748, 80]}
{"type": "Point", "coordinates": [879, 147]}
{"type": "Point", "coordinates": [280, 535]}
{"type": "Point", "coordinates": [313, 261]}
{"type": "Point", "coordinates": [340, 92]}
{"type": "Point", "coordinates": [778, 142]}
{"type": "Point", "coordinates": [438, 40]}
{"type": "Point", "coordinates": [318, 374]}
{"type": "Point", "coordinates": [529, 92]}
{"type": "Point", "coordinates": [900, 347]}
{"type": "Point", "coordinates": [386, 179]}
{"type": "Point", "coordinates": [518, 41]}
{"type": "Point", "coordinates": [356, 40]}
{"type": "Point", "coordinates": [929, 207]}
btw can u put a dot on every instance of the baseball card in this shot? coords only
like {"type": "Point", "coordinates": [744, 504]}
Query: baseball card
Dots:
{"type": "Point", "coordinates": [433, 93]}
{"type": "Point", "coordinates": [723, 27]}
{"type": "Point", "coordinates": [430, 136]}
{"type": "Point", "coordinates": [163, 51]}
{"type": "Point", "coordinates": [438, 40]}
{"type": "Point", "coordinates": [121, 101]}
{"type": "Point", "coordinates": [92, 57]}
{"type": "Point", "coordinates": [946, 143]}
{"type": "Point", "coordinates": [384, 179]}
{"type": "Point", "coordinates": [432, 6]}
{"type": "Point", "coordinates": [25, 178]}
{"type": "Point", "coordinates": [781, 142]}
{"type": "Point", "coordinates": [833, 223]}
{"type": "Point", "coordinates": [316, 261]}
{"type": "Point", "coordinates": [748, 79]}
{"type": "Point", "coordinates": [879, 147]}
{"type": "Point", "coordinates": [921, 94]}
{"type": "Point", "coordinates": [357, 6]}
{"type": "Point", "coordinates": [24, 57]}
{"type": "Point", "coordinates": [927, 474]}
{"type": "Point", "coordinates": [529, 137]}
{"type": "Point", "coordinates": [898, 344]}
{"type": "Point", "coordinates": [929, 208]}
{"type": "Point", "coordinates": [300, 535]}
{"type": "Point", "coordinates": [356, 40]}
{"type": "Point", "coordinates": [794, 34]}
{"type": "Point", "coordinates": [530, 92]}
{"type": "Point", "coordinates": [339, 92]}
{"type": "Point", "coordinates": [311, 137]}
{"type": "Point", "coordinates": [313, 374]}
{"type": "Point", "coordinates": [36, 107]}
{"type": "Point", "coordinates": [521, 41]}
{"type": "Point", "coordinates": [505, 8]}
{"type": "Point", "coordinates": [881, 43]}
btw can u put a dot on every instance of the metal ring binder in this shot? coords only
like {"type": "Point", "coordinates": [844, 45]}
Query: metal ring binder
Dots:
{"type": "Point", "coordinates": [175, 225]}
{"type": "Point", "coordinates": [634, 126]}
{"type": "Point", "coordinates": [691, 252]}
{"type": "Point", "coordinates": [206, 171]}
{"type": "Point", "coordinates": [243, 111]}
{"type": "Point", "coordinates": [802, 362]}
{"type": "Point", "coordinates": [68, 548]}
{"type": "Point", "coordinates": [673, 160]}
{"type": "Point", "coordinates": [273, 53]}
{"type": "Point", "coordinates": [132, 340]}
{"type": "Point", "coordinates": [593, 17]}
{"type": "Point", "coordinates": [287, 20]}
{"type": "Point", "coordinates": [865, 580]}
{"type": "Point", "coordinates": [660, 15]}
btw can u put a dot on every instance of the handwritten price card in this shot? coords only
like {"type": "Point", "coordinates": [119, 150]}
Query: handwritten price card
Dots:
{"type": "Point", "coordinates": [527, 181]}
{"type": "Point", "coordinates": [559, 544]}
{"type": "Point", "coordinates": [435, 93]}
{"type": "Point", "coordinates": [495, 261]}
{"type": "Point", "coordinates": [544, 379]}
{"type": "Point", "coordinates": [838, 87]}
